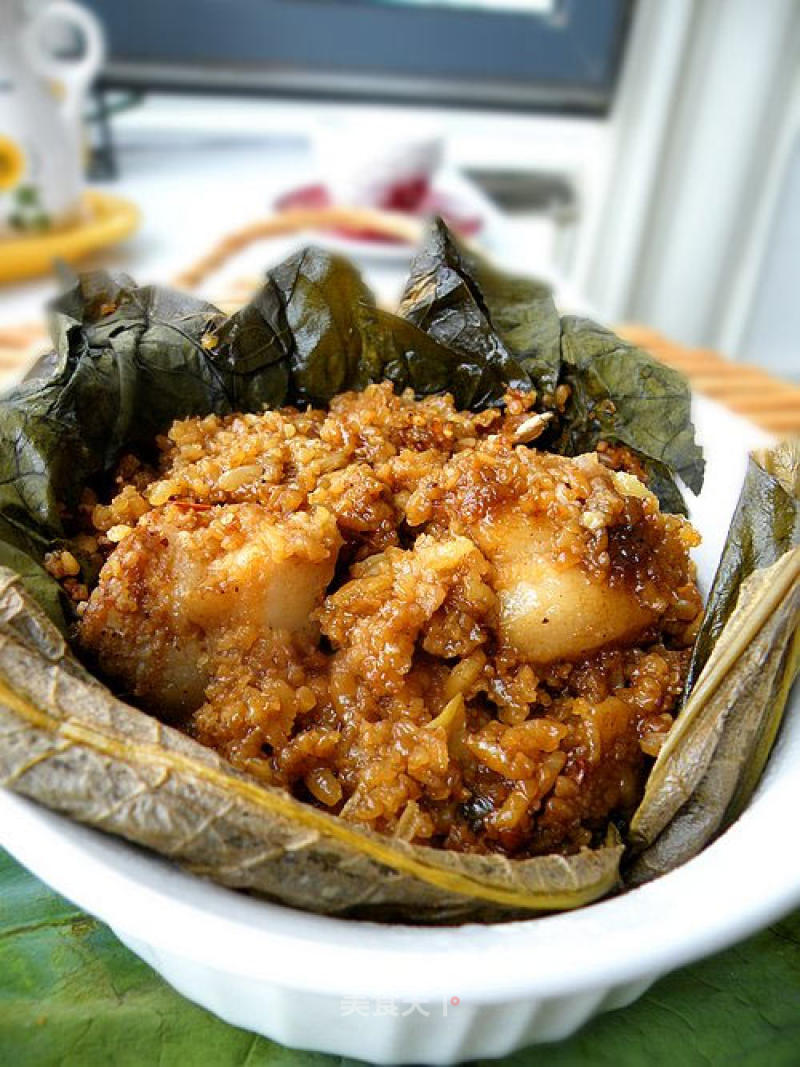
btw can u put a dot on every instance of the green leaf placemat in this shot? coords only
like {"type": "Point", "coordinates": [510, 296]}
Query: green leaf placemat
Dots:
{"type": "Point", "coordinates": [71, 995]}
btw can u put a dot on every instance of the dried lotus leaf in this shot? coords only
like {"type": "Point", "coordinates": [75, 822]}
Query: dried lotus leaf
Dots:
{"type": "Point", "coordinates": [716, 752]}
{"type": "Point", "coordinates": [744, 661]}
{"type": "Point", "coordinates": [765, 524]}
{"type": "Point", "coordinates": [67, 742]}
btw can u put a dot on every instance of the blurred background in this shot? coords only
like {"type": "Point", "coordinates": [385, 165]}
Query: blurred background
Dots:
{"type": "Point", "coordinates": [644, 155]}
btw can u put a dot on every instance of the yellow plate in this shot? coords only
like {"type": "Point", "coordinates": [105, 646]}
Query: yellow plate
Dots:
{"type": "Point", "coordinates": [108, 219]}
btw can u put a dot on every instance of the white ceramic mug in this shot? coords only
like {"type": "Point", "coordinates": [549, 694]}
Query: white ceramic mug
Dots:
{"type": "Point", "coordinates": [41, 98]}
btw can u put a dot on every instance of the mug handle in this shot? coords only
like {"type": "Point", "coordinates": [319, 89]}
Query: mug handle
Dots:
{"type": "Point", "coordinates": [75, 75]}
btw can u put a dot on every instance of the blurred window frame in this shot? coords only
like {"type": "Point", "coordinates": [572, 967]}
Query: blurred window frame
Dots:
{"type": "Point", "coordinates": [563, 56]}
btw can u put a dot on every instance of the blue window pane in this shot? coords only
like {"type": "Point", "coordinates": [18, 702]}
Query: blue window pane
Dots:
{"type": "Point", "coordinates": [557, 54]}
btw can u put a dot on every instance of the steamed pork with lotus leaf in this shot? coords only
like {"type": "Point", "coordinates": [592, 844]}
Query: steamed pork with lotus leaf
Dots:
{"type": "Point", "coordinates": [381, 615]}
{"type": "Point", "coordinates": [405, 614]}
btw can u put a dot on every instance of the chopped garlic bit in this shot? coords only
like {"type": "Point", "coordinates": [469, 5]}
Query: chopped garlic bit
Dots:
{"type": "Point", "coordinates": [70, 565]}
{"type": "Point", "coordinates": [118, 533]}
{"type": "Point", "coordinates": [451, 715]}
{"type": "Point", "coordinates": [593, 520]}
{"type": "Point", "coordinates": [234, 479]}
{"type": "Point", "coordinates": [532, 428]}
{"type": "Point", "coordinates": [62, 564]}
{"type": "Point", "coordinates": [630, 485]}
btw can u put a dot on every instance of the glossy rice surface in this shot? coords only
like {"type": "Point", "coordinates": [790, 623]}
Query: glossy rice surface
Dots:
{"type": "Point", "coordinates": [409, 616]}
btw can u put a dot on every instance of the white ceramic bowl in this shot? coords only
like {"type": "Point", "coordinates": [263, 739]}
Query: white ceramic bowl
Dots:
{"type": "Point", "coordinates": [439, 995]}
